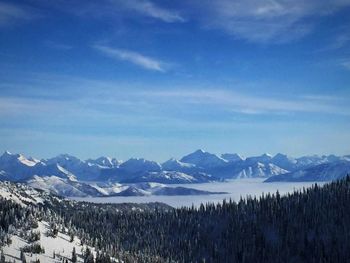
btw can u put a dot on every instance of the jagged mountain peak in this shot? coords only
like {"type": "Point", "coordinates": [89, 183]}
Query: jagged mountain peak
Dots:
{"type": "Point", "coordinates": [7, 155]}
{"type": "Point", "coordinates": [17, 158]}
{"type": "Point", "coordinates": [232, 157]}
{"type": "Point", "coordinates": [280, 155]}
{"type": "Point", "coordinates": [203, 159]}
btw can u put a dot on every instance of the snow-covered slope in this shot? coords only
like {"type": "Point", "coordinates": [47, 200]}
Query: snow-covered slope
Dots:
{"type": "Point", "coordinates": [104, 162]}
{"type": "Point", "coordinates": [259, 170]}
{"type": "Point", "coordinates": [284, 161]}
{"type": "Point", "coordinates": [42, 169]}
{"type": "Point", "coordinates": [56, 248]}
{"type": "Point", "coordinates": [144, 189]}
{"type": "Point", "coordinates": [82, 170]}
{"type": "Point", "coordinates": [175, 165]}
{"type": "Point", "coordinates": [15, 166]}
{"type": "Point", "coordinates": [321, 172]}
{"type": "Point", "coordinates": [24, 194]}
{"type": "Point", "coordinates": [62, 187]}
{"type": "Point", "coordinates": [311, 160]}
{"type": "Point", "coordinates": [170, 177]}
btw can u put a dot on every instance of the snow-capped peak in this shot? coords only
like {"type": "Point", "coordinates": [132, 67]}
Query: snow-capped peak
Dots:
{"type": "Point", "coordinates": [232, 157]}
{"type": "Point", "coordinates": [203, 159]}
{"type": "Point", "coordinates": [8, 157]}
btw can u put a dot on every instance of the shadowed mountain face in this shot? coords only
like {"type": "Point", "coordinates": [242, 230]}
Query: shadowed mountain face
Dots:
{"type": "Point", "coordinates": [68, 175]}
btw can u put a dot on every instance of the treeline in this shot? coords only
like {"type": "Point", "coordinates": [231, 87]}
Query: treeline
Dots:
{"type": "Point", "coordinates": [312, 225]}
{"type": "Point", "coordinates": [11, 217]}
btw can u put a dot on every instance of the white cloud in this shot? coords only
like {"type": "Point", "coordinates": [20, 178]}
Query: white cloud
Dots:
{"type": "Point", "coordinates": [10, 13]}
{"type": "Point", "coordinates": [266, 20]}
{"type": "Point", "coordinates": [133, 57]}
{"type": "Point", "coordinates": [149, 9]}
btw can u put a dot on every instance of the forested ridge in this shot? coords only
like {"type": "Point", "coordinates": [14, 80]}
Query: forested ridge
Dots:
{"type": "Point", "coordinates": [312, 225]}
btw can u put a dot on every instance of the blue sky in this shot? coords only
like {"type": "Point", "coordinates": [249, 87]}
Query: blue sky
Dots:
{"type": "Point", "coordinates": [159, 79]}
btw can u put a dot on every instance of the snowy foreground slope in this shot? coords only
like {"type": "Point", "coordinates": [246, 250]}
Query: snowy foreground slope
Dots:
{"type": "Point", "coordinates": [56, 249]}
{"type": "Point", "coordinates": [32, 228]}
{"type": "Point", "coordinates": [67, 175]}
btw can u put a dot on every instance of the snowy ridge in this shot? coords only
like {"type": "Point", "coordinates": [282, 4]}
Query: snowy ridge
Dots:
{"type": "Point", "coordinates": [24, 194]}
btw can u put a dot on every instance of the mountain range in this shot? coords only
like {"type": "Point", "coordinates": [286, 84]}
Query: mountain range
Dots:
{"type": "Point", "coordinates": [69, 176]}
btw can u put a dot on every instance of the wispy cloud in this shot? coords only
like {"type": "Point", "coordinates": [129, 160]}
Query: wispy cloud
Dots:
{"type": "Point", "coordinates": [266, 21]}
{"type": "Point", "coordinates": [249, 104]}
{"type": "Point", "coordinates": [148, 8]}
{"type": "Point", "coordinates": [169, 102]}
{"type": "Point", "coordinates": [132, 57]}
{"type": "Point", "coordinates": [123, 9]}
{"type": "Point", "coordinates": [337, 42]}
{"type": "Point", "coordinates": [345, 63]}
{"type": "Point", "coordinates": [10, 13]}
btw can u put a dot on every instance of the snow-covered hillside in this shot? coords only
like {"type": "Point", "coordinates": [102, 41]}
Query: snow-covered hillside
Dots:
{"type": "Point", "coordinates": [33, 228]}
{"type": "Point", "coordinates": [55, 249]}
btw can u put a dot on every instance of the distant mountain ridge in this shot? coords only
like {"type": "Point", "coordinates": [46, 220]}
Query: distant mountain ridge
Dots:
{"type": "Point", "coordinates": [68, 175]}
